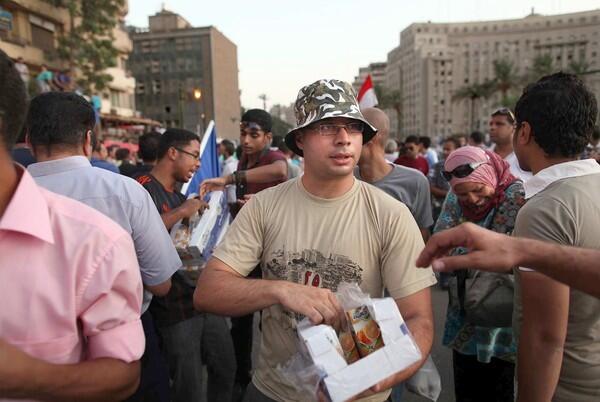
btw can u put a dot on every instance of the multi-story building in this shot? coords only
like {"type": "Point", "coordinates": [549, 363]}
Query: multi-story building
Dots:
{"type": "Point", "coordinates": [186, 76]}
{"type": "Point", "coordinates": [434, 60]}
{"type": "Point", "coordinates": [377, 71]}
{"type": "Point", "coordinates": [32, 33]}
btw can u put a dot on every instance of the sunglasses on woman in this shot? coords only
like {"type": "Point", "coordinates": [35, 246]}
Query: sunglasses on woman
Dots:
{"type": "Point", "coordinates": [462, 171]}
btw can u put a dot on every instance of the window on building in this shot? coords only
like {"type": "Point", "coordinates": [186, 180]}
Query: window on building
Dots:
{"type": "Point", "coordinates": [141, 88]}
{"type": "Point", "coordinates": [42, 33]}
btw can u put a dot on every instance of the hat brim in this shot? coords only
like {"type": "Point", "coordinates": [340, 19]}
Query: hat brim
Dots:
{"type": "Point", "coordinates": [290, 139]}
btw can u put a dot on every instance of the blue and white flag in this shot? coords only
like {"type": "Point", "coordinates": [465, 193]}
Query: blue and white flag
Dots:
{"type": "Point", "coordinates": [209, 161]}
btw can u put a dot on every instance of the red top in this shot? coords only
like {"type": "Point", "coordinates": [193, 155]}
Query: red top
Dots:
{"type": "Point", "coordinates": [420, 163]}
{"type": "Point", "coordinates": [266, 158]}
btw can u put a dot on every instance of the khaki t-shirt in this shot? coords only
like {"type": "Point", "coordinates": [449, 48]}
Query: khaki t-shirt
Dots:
{"type": "Point", "coordinates": [568, 212]}
{"type": "Point", "coordinates": [365, 236]}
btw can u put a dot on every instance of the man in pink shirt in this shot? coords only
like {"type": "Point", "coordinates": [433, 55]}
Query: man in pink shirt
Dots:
{"type": "Point", "coordinates": [70, 285]}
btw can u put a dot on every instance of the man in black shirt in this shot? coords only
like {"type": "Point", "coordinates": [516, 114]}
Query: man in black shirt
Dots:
{"type": "Point", "coordinates": [189, 338]}
{"type": "Point", "coordinates": [147, 150]}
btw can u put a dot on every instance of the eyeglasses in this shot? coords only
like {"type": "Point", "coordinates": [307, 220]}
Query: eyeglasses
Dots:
{"type": "Point", "coordinates": [193, 155]}
{"type": "Point", "coordinates": [505, 112]}
{"type": "Point", "coordinates": [327, 130]}
{"type": "Point", "coordinates": [462, 171]}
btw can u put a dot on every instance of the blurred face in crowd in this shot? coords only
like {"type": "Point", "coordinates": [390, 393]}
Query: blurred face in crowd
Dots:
{"type": "Point", "coordinates": [331, 147]}
{"type": "Point", "coordinates": [448, 148]}
{"type": "Point", "coordinates": [253, 138]}
{"type": "Point", "coordinates": [501, 129]}
{"type": "Point", "coordinates": [187, 161]}
{"type": "Point", "coordinates": [411, 150]}
{"type": "Point", "coordinates": [102, 152]}
{"type": "Point", "coordinates": [477, 195]}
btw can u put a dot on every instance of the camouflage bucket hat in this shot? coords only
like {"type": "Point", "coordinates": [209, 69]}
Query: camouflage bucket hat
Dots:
{"type": "Point", "coordinates": [324, 99]}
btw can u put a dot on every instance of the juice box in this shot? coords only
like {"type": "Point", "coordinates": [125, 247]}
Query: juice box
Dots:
{"type": "Point", "coordinates": [365, 331]}
{"type": "Point", "coordinates": [349, 347]}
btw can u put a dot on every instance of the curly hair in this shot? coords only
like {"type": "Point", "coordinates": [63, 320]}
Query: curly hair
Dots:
{"type": "Point", "coordinates": [561, 111]}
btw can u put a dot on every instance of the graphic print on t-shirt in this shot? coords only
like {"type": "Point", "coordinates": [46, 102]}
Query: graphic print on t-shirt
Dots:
{"type": "Point", "coordinates": [310, 267]}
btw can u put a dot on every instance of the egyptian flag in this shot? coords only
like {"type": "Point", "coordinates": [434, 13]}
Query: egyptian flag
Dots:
{"type": "Point", "coordinates": [366, 95]}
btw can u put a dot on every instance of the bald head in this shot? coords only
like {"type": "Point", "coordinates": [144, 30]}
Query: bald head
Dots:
{"type": "Point", "coordinates": [381, 122]}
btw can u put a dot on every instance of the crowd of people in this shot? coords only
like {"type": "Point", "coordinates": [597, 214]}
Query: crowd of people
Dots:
{"type": "Point", "coordinates": [102, 307]}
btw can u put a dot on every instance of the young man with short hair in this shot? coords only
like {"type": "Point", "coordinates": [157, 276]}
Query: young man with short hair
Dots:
{"type": "Point", "coordinates": [60, 129]}
{"type": "Point", "coordinates": [404, 184]}
{"type": "Point", "coordinates": [558, 327]}
{"type": "Point", "coordinates": [411, 157]}
{"type": "Point", "coordinates": [230, 164]}
{"type": "Point", "coordinates": [69, 284]}
{"type": "Point", "coordinates": [99, 155]}
{"type": "Point", "coordinates": [502, 130]}
{"type": "Point", "coordinates": [312, 233]}
{"type": "Point", "coordinates": [429, 154]}
{"type": "Point", "coordinates": [476, 139]}
{"type": "Point", "coordinates": [189, 338]}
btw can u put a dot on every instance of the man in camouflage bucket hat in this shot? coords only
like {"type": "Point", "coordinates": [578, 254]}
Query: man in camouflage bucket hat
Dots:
{"type": "Point", "coordinates": [325, 99]}
{"type": "Point", "coordinates": [310, 234]}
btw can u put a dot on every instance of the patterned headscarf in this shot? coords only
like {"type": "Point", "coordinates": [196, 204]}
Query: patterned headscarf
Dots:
{"type": "Point", "coordinates": [494, 173]}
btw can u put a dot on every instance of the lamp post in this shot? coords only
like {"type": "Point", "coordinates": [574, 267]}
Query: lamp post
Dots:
{"type": "Point", "coordinates": [198, 98]}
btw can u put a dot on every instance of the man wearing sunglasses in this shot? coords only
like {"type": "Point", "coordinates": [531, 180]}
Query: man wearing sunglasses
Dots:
{"type": "Point", "coordinates": [312, 233]}
{"type": "Point", "coordinates": [502, 131]}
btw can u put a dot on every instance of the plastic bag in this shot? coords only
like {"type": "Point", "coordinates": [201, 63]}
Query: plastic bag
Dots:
{"type": "Point", "coordinates": [426, 382]}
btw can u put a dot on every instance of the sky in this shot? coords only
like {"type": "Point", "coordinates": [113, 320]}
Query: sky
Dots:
{"type": "Point", "coordinates": [283, 45]}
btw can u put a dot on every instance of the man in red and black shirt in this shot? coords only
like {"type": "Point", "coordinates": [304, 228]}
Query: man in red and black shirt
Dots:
{"type": "Point", "coordinates": [259, 168]}
{"type": "Point", "coordinates": [189, 337]}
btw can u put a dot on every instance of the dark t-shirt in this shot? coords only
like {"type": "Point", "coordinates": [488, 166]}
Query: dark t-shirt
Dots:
{"type": "Point", "coordinates": [267, 157]}
{"type": "Point", "coordinates": [177, 305]}
{"type": "Point", "coordinates": [420, 163]}
{"type": "Point", "coordinates": [22, 156]}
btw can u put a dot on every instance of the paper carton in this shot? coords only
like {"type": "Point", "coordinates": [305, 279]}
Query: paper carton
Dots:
{"type": "Point", "coordinates": [343, 381]}
{"type": "Point", "coordinates": [195, 239]}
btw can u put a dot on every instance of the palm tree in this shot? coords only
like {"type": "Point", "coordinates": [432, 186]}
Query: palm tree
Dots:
{"type": "Point", "coordinates": [505, 79]}
{"type": "Point", "coordinates": [542, 65]}
{"type": "Point", "coordinates": [473, 93]}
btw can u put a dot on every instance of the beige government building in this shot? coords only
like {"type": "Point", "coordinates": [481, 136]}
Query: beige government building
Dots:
{"type": "Point", "coordinates": [434, 60]}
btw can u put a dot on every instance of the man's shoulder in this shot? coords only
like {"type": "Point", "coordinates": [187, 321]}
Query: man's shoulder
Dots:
{"type": "Point", "coordinates": [379, 200]}
{"type": "Point", "coordinates": [66, 212]}
{"type": "Point", "coordinates": [273, 155]}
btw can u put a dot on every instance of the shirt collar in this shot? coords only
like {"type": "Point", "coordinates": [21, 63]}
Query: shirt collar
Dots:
{"type": "Point", "coordinates": [28, 211]}
{"type": "Point", "coordinates": [58, 166]}
{"type": "Point", "coordinates": [564, 170]}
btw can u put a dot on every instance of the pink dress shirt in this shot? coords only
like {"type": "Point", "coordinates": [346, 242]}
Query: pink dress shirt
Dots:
{"type": "Point", "coordinates": [70, 285]}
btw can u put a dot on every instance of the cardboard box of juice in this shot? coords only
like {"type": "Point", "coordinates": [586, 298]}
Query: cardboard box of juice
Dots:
{"type": "Point", "coordinates": [380, 338]}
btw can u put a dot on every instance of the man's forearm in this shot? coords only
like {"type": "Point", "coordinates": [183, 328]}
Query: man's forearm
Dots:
{"type": "Point", "coordinates": [223, 293]}
{"type": "Point", "coordinates": [96, 380]}
{"type": "Point", "coordinates": [266, 174]}
{"type": "Point", "coordinates": [576, 267]}
{"type": "Point", "coordinates": [172, 217]}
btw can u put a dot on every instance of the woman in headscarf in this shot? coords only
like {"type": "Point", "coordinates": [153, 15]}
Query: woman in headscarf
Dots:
{"type": "Point", "coordinates": [483, 191]}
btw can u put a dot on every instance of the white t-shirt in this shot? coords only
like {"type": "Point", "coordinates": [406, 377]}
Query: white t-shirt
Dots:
{"type": "Point", "coordinates": [515, 169]}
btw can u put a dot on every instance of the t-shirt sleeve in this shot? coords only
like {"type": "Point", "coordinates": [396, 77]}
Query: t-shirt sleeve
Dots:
{"type": "Point", "coordinates": [242, 246]}
{"type": "Point", "coordinates": [156, 253]}
{"type": "Point", "coordinates": [402, 243]}
{"type": "Point", "coordinates": [423, 204]}
{"type": "Point", "coordinates": [109, 305]}
{"type": "Point", "coordinates": [275, 156]}
{"type": "Point", "coordinates": [546, 219]}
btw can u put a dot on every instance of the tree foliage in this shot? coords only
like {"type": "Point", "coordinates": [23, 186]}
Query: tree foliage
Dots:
{"type": "Point", "coordinates": [390, 99]}
{"type": "Point", "coordinates": [88, 45]}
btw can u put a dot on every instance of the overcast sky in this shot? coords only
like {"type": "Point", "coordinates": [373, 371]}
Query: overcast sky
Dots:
{"type": "Point", "coordinates": [283, 45]}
